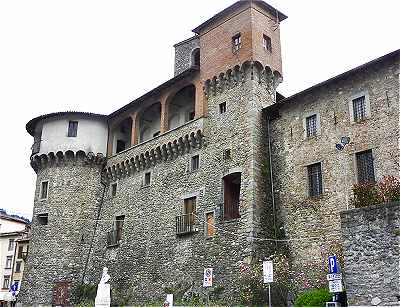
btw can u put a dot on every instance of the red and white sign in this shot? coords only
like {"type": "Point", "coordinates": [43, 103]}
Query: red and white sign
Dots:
{"type": "Point", "coordinates": [208, 277]}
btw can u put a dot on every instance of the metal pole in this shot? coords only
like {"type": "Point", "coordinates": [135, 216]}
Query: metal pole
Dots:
{"type": "Point", "coordinates": [269, 294]}
{"type": "Point", "coordinates": [346, 191]}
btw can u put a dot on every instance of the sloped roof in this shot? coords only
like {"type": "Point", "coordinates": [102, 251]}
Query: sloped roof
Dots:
{"type": "Point", "coordinates": [237, 5]}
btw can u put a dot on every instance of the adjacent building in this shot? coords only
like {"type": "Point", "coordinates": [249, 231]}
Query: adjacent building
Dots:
{"type": "Point", "coordinates": [213, 168]}
{"type": "Point", "coordinates": [14, 244]}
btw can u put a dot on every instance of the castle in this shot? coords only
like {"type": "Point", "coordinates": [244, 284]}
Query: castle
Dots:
{"type": "Point", "coordinates": [213, 168]}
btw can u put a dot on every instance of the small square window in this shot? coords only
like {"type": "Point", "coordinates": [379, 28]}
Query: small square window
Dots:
{"type": "Point", "coordinates": [194, 163]}
{"type": "Point", "coordinates": [43, 218]}
{"type": "Point", "coordinates": [222, 107]}
{"type": "Point", "coordinates": [359, 109]}
{"type": "Point", "coordinates": [236, 43]}
{"type": "Point", "coordinates": [44, 187]}
{"type": "Point", "coordinates": [11, 243]}
{"type": "Point", "coordinates": [72, 129]}
{"type": "Point", "coordinates": [365, 166]}
{"type": "Point", "coordinates": [267, 44]}
{"type": "Point", "coordinates": [314, 179]}
{"type": "Point", "coordinates": [311, 125]}
{"type": "Point", "coordinates": [227, 154]}
{"type": "Point", "coordinates": [6, 282]}
{"type": "Point", "coordinates": [147, 179]}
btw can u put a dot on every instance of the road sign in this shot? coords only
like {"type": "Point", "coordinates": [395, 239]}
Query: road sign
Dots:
{"type": "Point", "coordinates": [208, 277]}
{"type": "Point", "coordinates": [333, 265]}
{"type": "Point", "coordinates": [334, 276]}
{"type": "Point", "coordinates": [268, 271]}
{"type": "Point", "coordinates": [335, 286]}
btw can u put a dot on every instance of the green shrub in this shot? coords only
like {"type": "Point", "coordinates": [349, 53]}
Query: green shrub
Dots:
{"type": "Point", "coordinates": [366, 194]}
{"type": "Point", "coordinates": [313, 298]}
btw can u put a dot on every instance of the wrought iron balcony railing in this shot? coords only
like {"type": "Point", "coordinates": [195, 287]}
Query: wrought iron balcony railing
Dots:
{"type": "Point", "coordinates": [185, 224]}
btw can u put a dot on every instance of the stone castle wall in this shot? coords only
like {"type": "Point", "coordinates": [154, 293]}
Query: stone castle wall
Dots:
{"type": "Point", "coordinates": [305, 217]}
{"type": "Point", "coordinates": [371, 244]}
{"type": "Point", "coordinates": [151, 257]}
{"type": "Point", "coordinates": [183, 54]}
{"type": "Point", "coordinates": [57, 250]}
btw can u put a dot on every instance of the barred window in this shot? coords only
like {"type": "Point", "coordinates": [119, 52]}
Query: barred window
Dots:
{"type": "Point", "coordinates": [236, 42]}
{"type": "Point", "coordinates": [314, 179]}
{"type": "Point", "coordinates": [359, 108]}
{"type": "Point", "coordinates": [72, 129]}
{"type": "Point", "coordinates": [365, 166]}
{"type": "Point", "coordinates": [311, 125]}
{"type": "Point", "coordinates": [267, 43]}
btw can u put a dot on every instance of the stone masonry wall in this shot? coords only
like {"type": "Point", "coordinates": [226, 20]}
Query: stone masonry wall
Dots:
{"type": "Point", "coordinates": [57, 250]}
{"type": "Point", "coordinates": [314, 222]}
{"type": "Point", "coordinates": [151, 257]}
{"type": "Point", "coordinates": [371, 238]}
{"type": "Point", "coordinates": [183, 54]}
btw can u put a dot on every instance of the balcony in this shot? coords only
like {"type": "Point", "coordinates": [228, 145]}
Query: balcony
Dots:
{"type": "Point", "coordinates": [185, 224]}
{"type": "Point", "coordinates": [113, 238]}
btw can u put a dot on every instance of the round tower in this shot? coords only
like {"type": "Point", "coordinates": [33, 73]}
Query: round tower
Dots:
{"type": "Point", "coordinates": [68, 155]}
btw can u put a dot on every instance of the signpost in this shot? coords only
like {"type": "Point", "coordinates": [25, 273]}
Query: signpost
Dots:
{"type": "Point", "coordinates": [208, 279]}
{"type": "Point", "coordinates": [334, 277]}
{"type": "Point", "coordinates": [268, 275]}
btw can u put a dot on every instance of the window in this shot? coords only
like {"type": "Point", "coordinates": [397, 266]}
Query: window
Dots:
{"type": "Point", "coordinates": [11, 245]}
{"type": "Point", "coordinates": [121, 145]}
{"type": "Point", "coordinates": [231, 196]}
{"type": "Point", "coordinates": [365, 166]}
{"type": "Point", "coordinates": [147, 179]}
{"type": "Point", "coordinates": [119, 223]}
{"type": "Point", "coordinates": [236, 43]}
{"type": "Point", "coordinates": [6, 282]}
{"type": "Point", "coordinates": [8, 262]}
{"type": "Point", "coordinates": [222, 107]}
{"type": "Point", "coordinates": [72, 129]}
{"type": "Point", "coordinates": [114, 189]}
{"type": "Point", "coordinates": [210, 228]}
{"type": "Point", "coordinates": [227, 154]}
{"type": "Point", "coordinates": [20, 251]}
{"type": "Point", "coordinates": [44, 189]}
{"type": "Point", "coordinates": [194, 163]}
{"type": "Point", "coordinates": [359, 109]}
{"type": "Point", "coordinates": [43, 219]}
{"type": "Point", "coordinates": [18, 266]}
{"type": "Point", "coordinates": [314, 179]}
{"type": "Point", "coordinates": [267, 43]}
{"type": "Point", "coordinates": [311, 125]}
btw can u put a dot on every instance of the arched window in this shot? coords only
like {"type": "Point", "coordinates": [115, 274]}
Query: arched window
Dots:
{"type": "Point", "coordinates": [196, 57]}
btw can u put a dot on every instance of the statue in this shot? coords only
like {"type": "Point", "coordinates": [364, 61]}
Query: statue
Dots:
{"type": "Point", "coordinates": [105, 277]}
{"type": "Point", "coordinates": [103, 298]}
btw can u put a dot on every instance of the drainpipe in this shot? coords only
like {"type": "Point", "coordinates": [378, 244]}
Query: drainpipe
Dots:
{"type": "Point", "coordinates": [94, 230]}
{"type": "Point", "coordinates": [271, 180]}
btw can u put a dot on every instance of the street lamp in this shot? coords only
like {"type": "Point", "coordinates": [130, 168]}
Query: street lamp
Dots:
{"type": "Point", "coordinates": [344, 141]}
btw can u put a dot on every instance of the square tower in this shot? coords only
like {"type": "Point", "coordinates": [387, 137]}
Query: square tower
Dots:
{"type": "Point", "coordinates": [248, 30]}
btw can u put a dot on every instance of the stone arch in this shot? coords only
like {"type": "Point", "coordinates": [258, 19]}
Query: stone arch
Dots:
{"type": "Point", "coordinates": [149, 122]}
{"type": "Point", "coordinates": [181, 106]}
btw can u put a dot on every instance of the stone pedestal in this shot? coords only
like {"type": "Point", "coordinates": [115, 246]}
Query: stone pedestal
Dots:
{"type": "Point", "coordinates": [103, 298]}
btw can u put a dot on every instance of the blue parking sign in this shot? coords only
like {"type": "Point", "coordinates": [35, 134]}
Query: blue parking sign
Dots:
{"type": "Point", "coordinates": [332, 264]}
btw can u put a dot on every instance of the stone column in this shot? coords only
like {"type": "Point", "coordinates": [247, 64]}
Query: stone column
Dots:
{"type": "Point", "coordinates": [200, 107]}
{"type": "Point", "coordinates": [164, 115]}
{"type": "Point", "coordinates": [135, 128]}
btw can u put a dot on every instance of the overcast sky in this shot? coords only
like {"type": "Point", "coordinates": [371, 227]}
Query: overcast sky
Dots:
{"type": "Point", "coordinates": [96, 56]}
